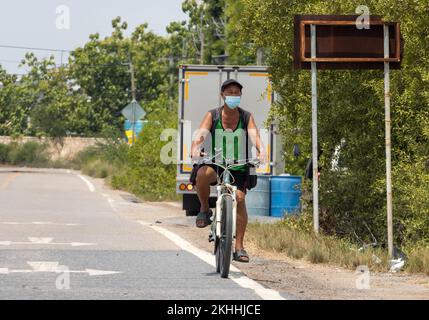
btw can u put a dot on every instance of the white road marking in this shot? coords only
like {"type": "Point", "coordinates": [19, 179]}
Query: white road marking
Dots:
{"type": "Point", "coordinates": [90, 185]}
{"type": "Point", "coordinates": [93, 272]}
{"type": "Point", "coordinates": [43, 266]}
{"type": "Point", "coordinates": [47, 241]}
{"type": "Point", "coordinates": [238, 277]}
{"type": "Point", "coordinates": [110, 200]}
{"type": "Point", "coordinates": [40, 240]}
{"type": "Point", "coordinates": [53, 267]}
{"type": "Point", "coordinates": [40, 223]}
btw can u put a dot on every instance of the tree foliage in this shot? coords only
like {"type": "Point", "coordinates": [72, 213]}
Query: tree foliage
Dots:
{"type": "Point", "coordinates": [351, 107]}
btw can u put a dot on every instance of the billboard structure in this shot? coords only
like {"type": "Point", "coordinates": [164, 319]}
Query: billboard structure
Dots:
{"type": "Point", "coordinates": [340, 42]}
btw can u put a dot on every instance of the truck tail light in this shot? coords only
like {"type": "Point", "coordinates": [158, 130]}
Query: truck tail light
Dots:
{"type": "Point", "coordinates": [190, 187]}
{"type": "Point", "coordinates": [182, 187]}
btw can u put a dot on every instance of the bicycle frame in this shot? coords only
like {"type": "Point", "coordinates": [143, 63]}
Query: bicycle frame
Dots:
{"type": "Point", "coordinates": [225, 188]}
{"type": "Point", "coordinates": [230, 191]}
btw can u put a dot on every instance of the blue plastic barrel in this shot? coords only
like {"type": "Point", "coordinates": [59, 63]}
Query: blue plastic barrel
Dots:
{"type": "Point", "coordinates": [258, 199]}
{"type": "Point", "coordinates": [285, 195]}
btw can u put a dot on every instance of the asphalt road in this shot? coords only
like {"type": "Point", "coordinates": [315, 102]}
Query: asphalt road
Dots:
{"type": "Point", "coordinates": [65, 236]}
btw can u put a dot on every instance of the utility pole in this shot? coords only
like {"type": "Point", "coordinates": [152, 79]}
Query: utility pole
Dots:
{"type": "Point", "coordinates": [259, 56]}
{"type": "Point", "coordinates": [388, 142]}
{"type": "Point", "coordinates": [171, 60]}
{"type": "Point", "coordinates": [133, 93]}
{"type": "Point", "coordinates": [225, 32]}
{"type": "Point", "coordinates": [314, 131]}
{"type": "Point", "coordinates": [202, 39]}
{"type": "Point", "coordinates": [201, 6]}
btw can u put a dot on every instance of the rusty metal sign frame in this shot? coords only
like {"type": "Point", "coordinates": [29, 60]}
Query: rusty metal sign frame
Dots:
{"type": "Point", "coordinates": [302, 58]}
{"type": "Point", "coordinates": [303, 23]}
{"type": "Point", "coordinates": [384, 62]}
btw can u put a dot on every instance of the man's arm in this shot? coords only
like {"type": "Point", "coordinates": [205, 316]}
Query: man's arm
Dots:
{"type": "Point", "coordinates": [201, 135]}
{"type": "Point", "coordinates": [255, 138]}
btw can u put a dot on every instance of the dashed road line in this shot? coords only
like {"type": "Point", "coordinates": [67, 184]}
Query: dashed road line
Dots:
{"type": "Point", "coordinates": [41, 223]}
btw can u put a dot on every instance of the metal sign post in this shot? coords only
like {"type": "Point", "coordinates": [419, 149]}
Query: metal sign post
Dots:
{"type": "Point", "coordinates": [343, 46]}
{"type": "Point", "coordinates": [388, 142]}
{"type": "Point", "coordinates": [314, 131]}
{"type": "Point", "coordinates": [133, 92]}
{"type": "Point", "coordinates": [133, 112]}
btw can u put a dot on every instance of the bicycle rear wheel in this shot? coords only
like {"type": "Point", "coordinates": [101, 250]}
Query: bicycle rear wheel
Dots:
{"type": "Point", "coordinates": [224, 245]}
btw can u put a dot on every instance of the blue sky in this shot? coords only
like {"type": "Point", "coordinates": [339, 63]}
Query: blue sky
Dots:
{"type": "Point", "coordinates": [33, 23]}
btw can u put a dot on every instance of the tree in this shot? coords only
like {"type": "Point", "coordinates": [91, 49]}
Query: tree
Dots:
{"type": "Point", "coordinates": [351, 108]}
{"type": "Point", "coordinates": [12, 113]}
{"type": "Point", "coordinates": [102, 71]}
{"type": "Point", "coordinates": [210, 33]}
{"type": "Point", "coordinates": [57, 108]}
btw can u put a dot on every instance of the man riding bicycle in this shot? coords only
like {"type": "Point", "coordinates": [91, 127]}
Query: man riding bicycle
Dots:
{"type": "Point", "coordinates": [231, 120]}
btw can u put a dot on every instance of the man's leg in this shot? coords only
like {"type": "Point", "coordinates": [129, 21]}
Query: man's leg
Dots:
{"type": "Point", "coordinates": [241, 219]}
{"type": "Point", "coordinates": [205, 176]}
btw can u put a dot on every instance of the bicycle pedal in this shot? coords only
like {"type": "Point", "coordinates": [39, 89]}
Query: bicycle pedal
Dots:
{"type": "Point", "coordinates": [211, 237]}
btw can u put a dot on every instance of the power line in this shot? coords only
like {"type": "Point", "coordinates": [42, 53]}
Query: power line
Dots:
{"type": "Point", "coordinates": [33, 48]}
{"type": "Point", "coordinates": [10, 61]}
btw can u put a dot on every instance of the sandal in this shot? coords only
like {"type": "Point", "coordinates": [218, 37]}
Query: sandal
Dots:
{"type": "Point", "coordinates": [203, 219]}
{"type": "Point", "coordinates": [241, 256]}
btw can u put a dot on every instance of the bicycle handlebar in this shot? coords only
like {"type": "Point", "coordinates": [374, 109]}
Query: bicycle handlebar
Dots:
{"type": "Point", "coordinates": [253, 162]}
{"type": "Point", "coordinates": [208, 160]}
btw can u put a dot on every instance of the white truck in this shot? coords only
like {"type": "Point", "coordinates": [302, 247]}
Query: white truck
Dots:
{"type": "Point", "coordinates": [199, 92]}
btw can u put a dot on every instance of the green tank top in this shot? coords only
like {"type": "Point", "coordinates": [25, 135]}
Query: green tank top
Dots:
{"type": "Point", "coordinates": [233, 143]}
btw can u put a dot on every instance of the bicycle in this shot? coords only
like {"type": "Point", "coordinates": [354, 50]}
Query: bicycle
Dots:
{"type": "Point", "coordinates": [223, 229]}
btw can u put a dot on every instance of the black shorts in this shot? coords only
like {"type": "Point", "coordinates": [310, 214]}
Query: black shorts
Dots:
{"type": "Point", "coordinates": [240, 177]}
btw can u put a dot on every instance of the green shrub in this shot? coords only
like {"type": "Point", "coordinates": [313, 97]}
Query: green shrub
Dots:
{"type": "Point", "coordinates": [29, 153]}
{"type": "Point", "coordinates": [98, 168]}
{"type": "Point", "coordinates": [145, 175]}
{"type": "Point", "coordinates": [85, 156]}
{"type": "Point", "coordinates": [411, 204]}
{"type": "Point", "coordinates": [110, 148]}
{"type": "Point", "coordinates": [4, 152]}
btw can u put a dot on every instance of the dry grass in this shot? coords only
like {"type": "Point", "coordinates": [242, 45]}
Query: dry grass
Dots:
{"type": "Point", "coordinates": [315, 249]}
{"type": "Point", "coordinates": [418, 260]}
{"type": "Point", "coordinates": [98, 168]}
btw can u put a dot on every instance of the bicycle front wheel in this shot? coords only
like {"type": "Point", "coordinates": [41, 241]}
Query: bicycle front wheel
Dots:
{"type": "Point", "coordinates": [223, 249]}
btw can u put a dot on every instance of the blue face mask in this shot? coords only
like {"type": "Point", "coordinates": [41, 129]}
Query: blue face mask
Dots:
{"type": "Point", "coordinates": [232, 101]}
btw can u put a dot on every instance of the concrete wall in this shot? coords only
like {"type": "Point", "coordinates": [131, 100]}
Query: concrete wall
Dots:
{"type": "Point", "coordinates": [65, 149]}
